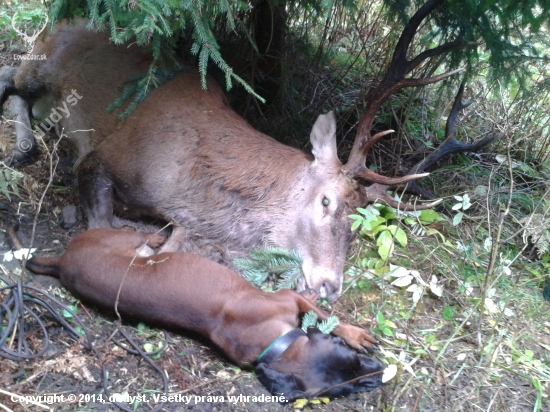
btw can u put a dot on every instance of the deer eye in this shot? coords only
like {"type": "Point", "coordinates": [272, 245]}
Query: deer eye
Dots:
{"type": "Point", "coordinates": [326, 202]}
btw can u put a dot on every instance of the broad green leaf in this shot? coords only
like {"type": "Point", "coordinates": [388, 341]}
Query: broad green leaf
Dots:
{"type": "Point", "coordinates": [401, 237]}
{"type": "Point", "coordinates": [375, 223]}
{"type": "Point", "coordinates": [385, 244]}
{"type": "Point", "coordinates": [458, 218]}
{"type": "Point", "coordinates": [390, 324]}
{"type": "Point", "coordinates": [386, 331]}
{"type": "Point", "coordinates": [429, 216]}
{"type": "Point", "coordinates": [448, 313]}
{"type": "Point", "coordinates": [378, 229]}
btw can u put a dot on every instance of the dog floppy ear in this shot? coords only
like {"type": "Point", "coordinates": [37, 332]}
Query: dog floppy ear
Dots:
{"type": "Point", "coordinates": [280, 384]}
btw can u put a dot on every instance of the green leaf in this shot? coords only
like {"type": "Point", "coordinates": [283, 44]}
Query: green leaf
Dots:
{"type": "Point", "coordinates": [448, 313]}
{"type": "Point", "coordinates": [380, 318]}
{"type": "Point", "coordinates": [355, 225]}
{"type": "Point", "coordinates": [69, 314]}
{"type": "Point", "coordinates": [300, 403]}
{"type": "Point", "coordinates": [378, 229]}
{"type": "Point", "coordinates": [409, 221]}
{"type": "Point", "coordinates": [458, 218]}
{"type": "Point", "coordinates": [401, 237]}
{"type": "Point", "coordinates": [386, 331]}
{"type": "Point", "coordinates": [385, 244]}
{"type": "Point", "coordinates": [429, 216]}
{"type": "Point", "coordinates": [80, 331]}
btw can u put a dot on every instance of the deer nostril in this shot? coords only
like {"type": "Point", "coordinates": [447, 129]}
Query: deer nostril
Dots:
{"type": "Point", "coordinates": [326, 290]}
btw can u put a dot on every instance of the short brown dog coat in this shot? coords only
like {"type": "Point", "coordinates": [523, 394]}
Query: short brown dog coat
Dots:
{"type": "Point", "coordinates": [189, 292]}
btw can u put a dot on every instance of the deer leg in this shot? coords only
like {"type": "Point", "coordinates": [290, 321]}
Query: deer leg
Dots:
{"type": "Point", "coordinates": [96, 192]}
{"type": "Point", "coordinates": [7, 87]}
{"type": "Point", "coordinates": [25, 144]}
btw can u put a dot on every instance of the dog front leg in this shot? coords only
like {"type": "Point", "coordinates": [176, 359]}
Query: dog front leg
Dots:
{"type": "Point", "coordinates": [358, 338]}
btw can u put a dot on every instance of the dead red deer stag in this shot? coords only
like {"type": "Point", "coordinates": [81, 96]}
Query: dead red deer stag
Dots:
{"type": "Point", "coordinates": [184, 156]}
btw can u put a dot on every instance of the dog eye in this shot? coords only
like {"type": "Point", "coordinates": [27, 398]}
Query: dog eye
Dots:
{"type": "Point", "coordinates": [326, 202]}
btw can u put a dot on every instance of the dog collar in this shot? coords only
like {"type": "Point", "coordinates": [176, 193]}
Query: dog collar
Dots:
{"type": "Point", "coordinates": [279, 346]}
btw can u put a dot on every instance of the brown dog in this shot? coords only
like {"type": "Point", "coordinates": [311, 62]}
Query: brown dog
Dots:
{"type": "Point", "coordinates": [186, 291]}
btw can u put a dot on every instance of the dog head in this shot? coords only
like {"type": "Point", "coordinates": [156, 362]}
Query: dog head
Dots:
{"type": "Point", "coordinates": [319, 364]}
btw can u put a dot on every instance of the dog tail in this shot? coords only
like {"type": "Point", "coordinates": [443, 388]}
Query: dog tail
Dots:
{"type": "Point", "coordinates": [12, 238]}
{"type": "Point", "coordinates": [45, 266]}
{"type": "Point", "coordinates": [38, 265]}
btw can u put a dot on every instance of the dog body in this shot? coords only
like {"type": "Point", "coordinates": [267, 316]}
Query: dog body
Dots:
{"type": "Point", "coordinates": [186, 291]}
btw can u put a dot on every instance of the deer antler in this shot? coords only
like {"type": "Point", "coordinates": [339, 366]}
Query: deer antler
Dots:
{"type": "Point", "coordinates": [393, 81]}
{"type": "Point", "coordinates": [26, 38]}
{"type": "Point", "coordinates": [449, 145]}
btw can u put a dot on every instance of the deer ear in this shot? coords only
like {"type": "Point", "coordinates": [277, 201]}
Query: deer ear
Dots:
{"type": "Point", "coordinates": [323, 138]}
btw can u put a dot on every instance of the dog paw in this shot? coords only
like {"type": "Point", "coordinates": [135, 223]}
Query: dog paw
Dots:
{"type": "Point", "coordinates": [358, 338]}
{"type": "Point", "coordinates": [155, 240]}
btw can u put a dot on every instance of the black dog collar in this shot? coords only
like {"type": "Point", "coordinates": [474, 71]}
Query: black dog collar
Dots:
{"type": "Point", "coordinates": [279, 346]}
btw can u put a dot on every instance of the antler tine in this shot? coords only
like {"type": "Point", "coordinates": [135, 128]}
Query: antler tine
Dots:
{"type": "Point", "coordinates": [365, 149]}
{"type": "Point", "coordinates": [376, 193]}
{"type": "Point", "coordinates": [449, 145]}
{"type": "Point", "coordinates": [393, 81]}
{"type": "Point", "coordinates": [370, 176]}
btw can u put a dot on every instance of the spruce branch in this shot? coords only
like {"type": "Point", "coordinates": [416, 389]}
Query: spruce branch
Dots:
{"type": "Point", "coordinates": [283, 265]}
{"type": "Point", "coordinates": [327, 326]}
{"type": "Point", "coordinates": [309, 320]}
